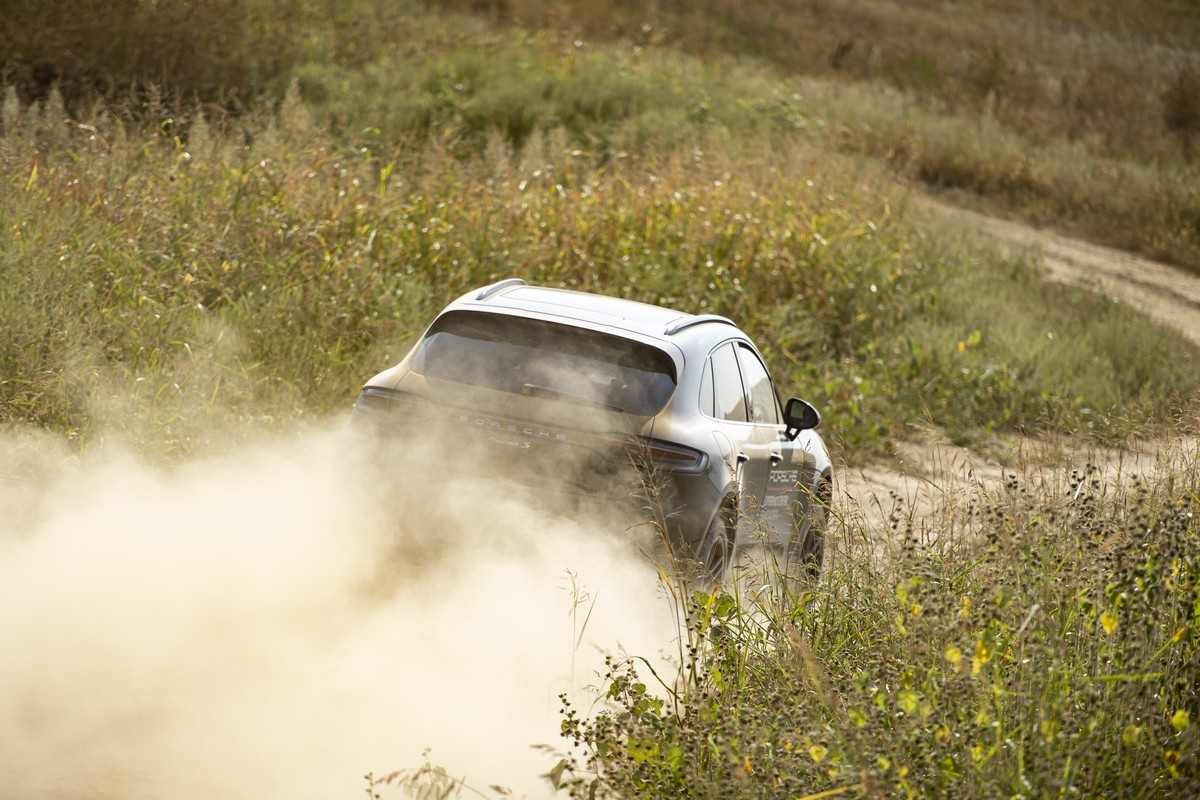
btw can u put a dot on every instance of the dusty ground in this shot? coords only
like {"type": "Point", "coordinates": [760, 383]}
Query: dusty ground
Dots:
{"type": "Point", "coordinates": [929, 473]}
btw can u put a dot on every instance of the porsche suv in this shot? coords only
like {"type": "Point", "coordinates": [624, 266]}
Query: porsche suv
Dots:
{"type": "Point", "coordinates": [673, 415]}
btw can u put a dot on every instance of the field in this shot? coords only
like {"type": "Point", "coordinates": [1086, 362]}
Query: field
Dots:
{"type": "Point", "coordinates": [216, 239]}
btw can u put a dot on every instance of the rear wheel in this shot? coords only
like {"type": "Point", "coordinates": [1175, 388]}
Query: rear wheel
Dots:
{"type": "Point", "coordinates": [717, 548]}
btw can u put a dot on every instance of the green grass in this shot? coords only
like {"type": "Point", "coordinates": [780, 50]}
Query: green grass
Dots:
{"type": "Point", "coordinates": [1040, 640]}
{"type": "Point", "coordinates": [229, 271]}
{"type": "Point", "coordinates": [1078, 116]}
{"type": "Point", "coordinates": [186, 273]}
{"type": "Point", "coordinates": [262, 268]}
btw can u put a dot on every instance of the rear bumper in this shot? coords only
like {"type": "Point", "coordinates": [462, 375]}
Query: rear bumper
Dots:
{"type": "Point", "coordinates": [604, 476]}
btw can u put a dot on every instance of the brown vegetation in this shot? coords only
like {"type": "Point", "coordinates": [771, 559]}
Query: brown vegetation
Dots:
{"type": "Point", "coordinates": [1090, 71]}
{"type": "Point", "coordinates": [1097, 102]}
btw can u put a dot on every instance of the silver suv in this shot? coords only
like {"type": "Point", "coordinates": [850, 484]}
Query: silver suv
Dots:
{"type": "Point", "coordinates": [670, 413]}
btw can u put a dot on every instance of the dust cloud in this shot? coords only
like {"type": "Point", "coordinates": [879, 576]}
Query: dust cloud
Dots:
{"type": "Point", "coordinates": [278, 621]}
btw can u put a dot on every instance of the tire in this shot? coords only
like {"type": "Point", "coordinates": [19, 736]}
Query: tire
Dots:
{"type": "Point", "coordinates": [717, 549]}
{"type": "Point", "coordinates": [806, 550]}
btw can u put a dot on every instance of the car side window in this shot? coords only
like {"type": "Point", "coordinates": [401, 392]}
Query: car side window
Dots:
{"type": "Point", "coordinates": [729, 396]}
{"type": "Point", "coordinates": [764, 405]}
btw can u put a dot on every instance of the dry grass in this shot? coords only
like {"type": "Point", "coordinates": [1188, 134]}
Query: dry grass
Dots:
{"type": "Point", "coordinates": [1079, 116]}
{"type": "Point", "coordinates": [1038, 639]}
{"type": "Point", "coordinates": [170, 272]}
{"type": "Point", "coordinates": [257, 272]}
{"type": "Point", "coordinates": [1092, 101]}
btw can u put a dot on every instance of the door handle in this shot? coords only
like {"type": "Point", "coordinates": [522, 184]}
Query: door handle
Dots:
{"type": "Point", "coordinates": [742, 458]}
{"type": "Point", "coordinates": [776, 458]}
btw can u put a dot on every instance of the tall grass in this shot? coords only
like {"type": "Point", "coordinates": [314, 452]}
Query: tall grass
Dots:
{"type": "Point", "coordinates": [262, 268]}
{"type": "Point", "coordinates": [1036, 638]}
{"type": "Point", "coordinates": [171, 271]}
{"type": "Point", "coordinates": [1077, 117]}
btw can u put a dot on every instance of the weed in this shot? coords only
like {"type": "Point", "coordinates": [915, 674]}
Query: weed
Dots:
{"type": "Point", "coordinates": [1047, 646]}
{"type": "Point", "coordinates": [1082, 93]}
{"type": "Point", "coordinates": [192, 274]}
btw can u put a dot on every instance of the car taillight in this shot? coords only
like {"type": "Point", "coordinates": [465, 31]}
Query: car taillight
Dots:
{"type": "Point", "coordinates": [373, 398]}
{"type": "Point", "coordinates": [671, 456]}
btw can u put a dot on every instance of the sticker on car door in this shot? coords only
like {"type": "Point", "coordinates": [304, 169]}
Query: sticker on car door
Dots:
{"type": "Point", "coordinates": [781, 486]}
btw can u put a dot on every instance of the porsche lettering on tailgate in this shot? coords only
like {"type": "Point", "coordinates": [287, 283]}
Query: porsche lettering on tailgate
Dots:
{"type": "Point", "coordinates": [511, 427]}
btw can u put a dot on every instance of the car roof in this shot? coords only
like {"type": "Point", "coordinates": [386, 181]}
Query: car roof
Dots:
{"type": "Point", "coordinates": [514, 295]}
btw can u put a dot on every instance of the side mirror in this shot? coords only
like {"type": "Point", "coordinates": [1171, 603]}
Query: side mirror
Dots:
{"type": "Point", "coordinates": [799, 416]}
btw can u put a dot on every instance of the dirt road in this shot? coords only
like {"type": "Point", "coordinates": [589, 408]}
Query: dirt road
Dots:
{"type": "Point", "coordinates": [928, 474]}
{"type": "Point", "coordinates": [1167, 294]}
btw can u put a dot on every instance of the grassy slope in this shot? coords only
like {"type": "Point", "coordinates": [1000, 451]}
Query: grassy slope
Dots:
{"type": "Point", "coordinates": [263, 265]}
{"type": "Point", "coordinates": [169, 276]}
{"type": "Point", "coordinates": [1080, 116]}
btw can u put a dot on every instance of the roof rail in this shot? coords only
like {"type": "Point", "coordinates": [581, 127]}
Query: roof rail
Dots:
{"type": "Point", "coordinates": [687, 322]}
{"type": "Point", "coordinates": [488, 291]}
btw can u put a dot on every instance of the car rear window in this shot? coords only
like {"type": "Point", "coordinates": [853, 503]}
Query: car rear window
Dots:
{"type": "Point", "coordinates": [547, 360]}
